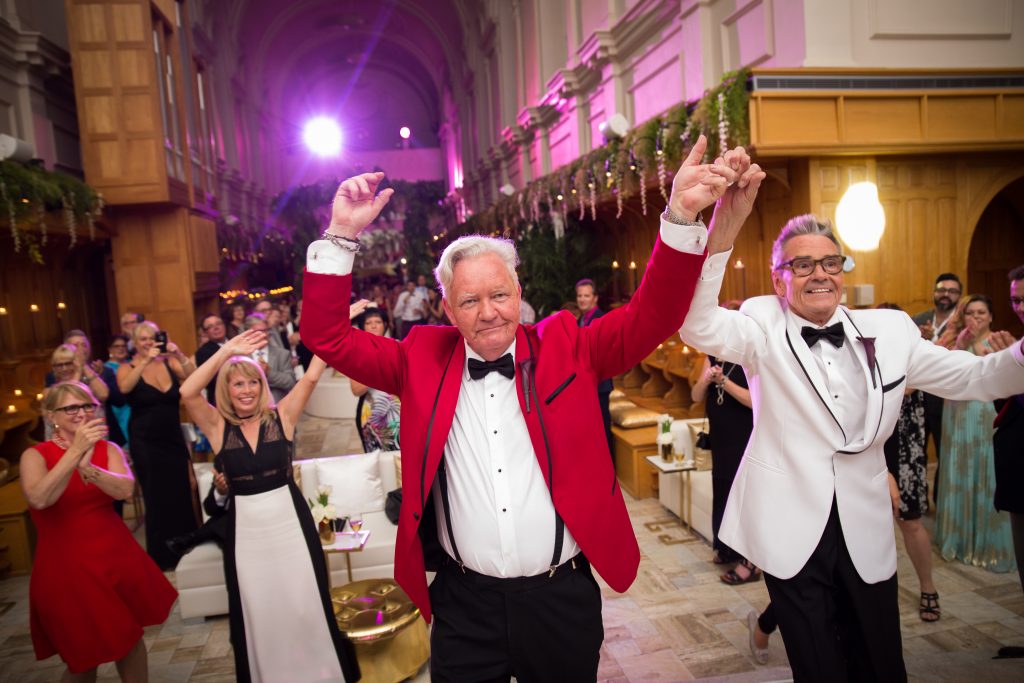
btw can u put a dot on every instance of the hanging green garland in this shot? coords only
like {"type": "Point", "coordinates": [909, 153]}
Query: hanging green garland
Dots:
{"type": "Point", "coordinates": [623, 168]}
{"type": "Point", "coordinates": [29, 192]}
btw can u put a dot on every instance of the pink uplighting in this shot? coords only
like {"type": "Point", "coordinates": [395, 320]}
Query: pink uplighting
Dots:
{"type": "Point", "coordinates": [404, 132]}
{"type": "Point", "coordinates": [322, 136]}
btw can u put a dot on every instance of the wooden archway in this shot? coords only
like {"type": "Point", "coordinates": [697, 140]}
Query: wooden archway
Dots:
{"type": "Point", "coordinates": [997, 245]}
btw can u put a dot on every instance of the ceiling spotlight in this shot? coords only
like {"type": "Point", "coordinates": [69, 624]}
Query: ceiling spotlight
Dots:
{"type": "Point", "coordinates": [404, 132]}
{"type": "Point", "coordinates": [322, 136]}
{"type": "Point", "coordinates": [508, 190]}
{"type": "Point", "coordinates": [615, 127]}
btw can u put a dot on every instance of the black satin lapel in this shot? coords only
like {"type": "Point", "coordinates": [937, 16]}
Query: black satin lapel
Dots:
{"type": "Point", "coordinates": [811, 382]}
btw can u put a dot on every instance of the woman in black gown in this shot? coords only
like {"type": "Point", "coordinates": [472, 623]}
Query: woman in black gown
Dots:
{"type": "Point", "coordinates": [160, 457]}
{"type": "Point", "coordinates": [282, 622]}
{"type": "Point", "coordinates": [730, 421]}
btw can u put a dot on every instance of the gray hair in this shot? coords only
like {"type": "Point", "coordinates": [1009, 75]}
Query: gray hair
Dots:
{"type": "Point", "coordinates": [807, 224]}
{"type": "Point", "coordinates": [252, 319]}
{"type": "Point", "coordinates": [471, 246]}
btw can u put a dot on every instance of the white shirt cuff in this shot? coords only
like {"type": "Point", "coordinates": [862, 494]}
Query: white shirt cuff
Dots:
{"type": "Point", "coordinates": [689, 239]}
{"type": "Point", "coordinates": [714, 266]}
{"type": "Point", "coordinates": [219, 499]}
{"type": "Point", "coordinates": [327, 258]}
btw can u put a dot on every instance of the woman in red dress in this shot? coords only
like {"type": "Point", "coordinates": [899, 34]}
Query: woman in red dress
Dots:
{"type": "Point", "coordinates": [93, 588]}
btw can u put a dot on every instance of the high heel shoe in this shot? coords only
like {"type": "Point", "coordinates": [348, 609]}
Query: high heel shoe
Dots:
{"type": "Point", "coordinates": [734, 578]}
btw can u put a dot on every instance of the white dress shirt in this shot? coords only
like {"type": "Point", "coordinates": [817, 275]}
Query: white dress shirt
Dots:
{"type": "Point", "coordinates": [844, 378]}
{"type": "Point", "coordinates": [502, 515]}
{"type": "Point", "coordinates": [503, 518]}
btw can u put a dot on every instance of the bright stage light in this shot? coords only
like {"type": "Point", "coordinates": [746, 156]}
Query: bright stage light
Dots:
{"type": "Point", "coordinates": [404, 132]}
{"type": "Point", "coordinates": [322, 136]}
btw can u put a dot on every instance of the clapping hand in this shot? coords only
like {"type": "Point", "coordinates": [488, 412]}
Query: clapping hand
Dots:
{"type": "Point", "coordinates": [696, 185]}
{"type": "Point", "coordinates": [86, 437]}
{"type": "Point", "coordinates": [357, 204]}
{"type": "Point", "coordinates": [247, 343]}
{"type": "Point", "coordinates": [1001, 340]}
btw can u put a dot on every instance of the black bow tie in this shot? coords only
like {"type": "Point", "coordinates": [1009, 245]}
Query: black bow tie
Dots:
{"type": "Point", "coordinates": [833, 334]}
{"type": "Point", "coordinates": [478, 369]}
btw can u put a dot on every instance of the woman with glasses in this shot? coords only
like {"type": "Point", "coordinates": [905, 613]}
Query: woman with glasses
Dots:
{"type": "Point", "coordinates": [967, 527]}
{"type": "Point", "coordinates": [159, 454]}
{"type": "Point", "coordinates": [93, 589]}
{"type": "Point", "coordinates": [117, 355]}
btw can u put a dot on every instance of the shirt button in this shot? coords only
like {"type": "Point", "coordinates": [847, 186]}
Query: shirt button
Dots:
{"type": "Point", "coordinates": [836, 396]}
{"type": "Point", "coordinates": [492, 395]}
{"type": "Point", "coordinates": [495, 431]}
{"type": "Point", "coordinates": [499, 469]}
{"type": "Point", "coordinates": [503, 510]}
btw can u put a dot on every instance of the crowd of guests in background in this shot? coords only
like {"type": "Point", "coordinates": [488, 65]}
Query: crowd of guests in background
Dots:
{"type": "Point", "coordinates": [116, 423]}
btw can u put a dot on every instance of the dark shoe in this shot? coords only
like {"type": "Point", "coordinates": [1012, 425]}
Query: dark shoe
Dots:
{"type": "Point", "coordinates": [179, 545]}
{"type": "Point", "coordinates": [1010, 652]}
{"type": "Point", "coordinates": [734, 578]}
{"type": "Point", "coordinates": [929, 609]}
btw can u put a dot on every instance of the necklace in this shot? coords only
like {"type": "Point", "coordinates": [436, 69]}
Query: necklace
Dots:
{"type": "Point", "coordinates": [720, 388]}
{"type": "Point", "coordinates": [59, 440]}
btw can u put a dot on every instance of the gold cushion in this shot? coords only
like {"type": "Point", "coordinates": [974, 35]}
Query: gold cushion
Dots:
{"type": "Point", "coordinates": [616, 393]}
{"type": "Point", "coordinates": [632, 416]}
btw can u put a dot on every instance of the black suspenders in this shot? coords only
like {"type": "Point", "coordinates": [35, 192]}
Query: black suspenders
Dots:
{"type": "Point", "coordinates": [442, 475]}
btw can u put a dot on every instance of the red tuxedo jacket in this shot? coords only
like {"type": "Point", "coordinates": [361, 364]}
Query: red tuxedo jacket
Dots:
{"type": "Point", "coordinates": [425, 371]}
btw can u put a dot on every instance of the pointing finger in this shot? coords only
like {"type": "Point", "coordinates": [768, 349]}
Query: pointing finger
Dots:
{"type": "Point", "coordinates": [697, 152]}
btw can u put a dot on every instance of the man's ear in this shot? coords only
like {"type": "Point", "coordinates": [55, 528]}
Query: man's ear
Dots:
{"type": "Point", "coordinates": [777, 282]}
{"type": "Point", "coordinates": [447, 309]}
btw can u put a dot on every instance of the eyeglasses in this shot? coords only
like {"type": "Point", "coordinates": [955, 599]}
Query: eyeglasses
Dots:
{"type": "Point", "coordinates": [119, 346]}
{"type": "Point", "coordinates": [88, 408]}
{"type": "Point", "coordinates": [802, 266]}
{"type": "Point", "coordinates": [952, 291]}
{"type": "Point", "coordinates": [60, 366]}
{"type": "Point", "coordinates": [1016, 301]}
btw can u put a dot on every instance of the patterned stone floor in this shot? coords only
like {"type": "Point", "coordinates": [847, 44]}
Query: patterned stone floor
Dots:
{"type": "Point", "coordinates": [677, 622]}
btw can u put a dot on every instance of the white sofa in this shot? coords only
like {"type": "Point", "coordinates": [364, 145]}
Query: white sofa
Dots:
{"type": "Point", "coordinates": [200, 573]}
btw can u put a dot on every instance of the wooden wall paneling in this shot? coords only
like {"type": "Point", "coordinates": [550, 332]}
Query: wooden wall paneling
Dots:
{"type": "Point", "coordinates": [118, 102]}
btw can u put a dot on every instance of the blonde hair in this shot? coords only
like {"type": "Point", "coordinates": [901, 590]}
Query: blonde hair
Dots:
{"type": "Point", "coordinates": [249, 369]}
{"type": "Point", "coordinates": [63, 352]}
{"type": "Point", "coordinates": [58, 391]}
{"type": "Point", "coordinates": [145, 324]}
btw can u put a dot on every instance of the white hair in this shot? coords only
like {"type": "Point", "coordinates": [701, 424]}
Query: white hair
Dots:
{"type": "Point", "coordinates": [471, 246]}
{"type": "Point", "coordinates": [807, 224]}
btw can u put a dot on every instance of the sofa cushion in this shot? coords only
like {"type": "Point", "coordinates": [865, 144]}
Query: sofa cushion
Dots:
{"type": "Point", "coordinates": [355, 483]}
{"type": "Point", "coordinates": [201, 566]}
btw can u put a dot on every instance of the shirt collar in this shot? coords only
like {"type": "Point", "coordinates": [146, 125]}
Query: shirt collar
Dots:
{"type": "Point", "coordinates": [803, 321]}
{"type": "Point", "coordinates": [588, 316]}
{"type": "Point", "coordinates": [470, 353]}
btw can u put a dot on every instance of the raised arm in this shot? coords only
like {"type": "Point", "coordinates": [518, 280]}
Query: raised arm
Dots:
{"type": "Point", "coordinates": [326, 329]}
{"type": "Point", "coordinates": [623, 337]}
{"type": "Point", "coordinates": [291, 406]}
{"type": "Point", "coordinates": [129, 375]}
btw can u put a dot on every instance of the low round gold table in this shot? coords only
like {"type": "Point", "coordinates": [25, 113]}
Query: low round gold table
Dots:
{"type": "Point", "coordinates": [390, 637]}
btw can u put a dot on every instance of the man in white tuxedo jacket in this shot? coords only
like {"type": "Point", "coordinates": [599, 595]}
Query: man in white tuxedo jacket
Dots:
{"type": "Point", "coordinates": [811, 503]}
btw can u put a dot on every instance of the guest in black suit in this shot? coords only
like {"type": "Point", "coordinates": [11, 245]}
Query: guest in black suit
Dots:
{"type": "Point", "coordinates": [586, 301]}
{"type": "Point", "coordinates": [1009, 446]}
{"type": "Point", "coordinates": [216, 506]}
{"type": "Point", "coordinates": [217, 332]}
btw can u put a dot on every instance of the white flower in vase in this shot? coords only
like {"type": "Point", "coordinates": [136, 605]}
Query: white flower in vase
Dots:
{"type": "Point", "coordinates": [664, 439]}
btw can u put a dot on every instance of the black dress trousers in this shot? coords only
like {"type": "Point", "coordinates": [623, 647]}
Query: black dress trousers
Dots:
{"type": "Point", "coordinates": [537, 629]}
{"type": "Point", "coordinates": [836, 627]}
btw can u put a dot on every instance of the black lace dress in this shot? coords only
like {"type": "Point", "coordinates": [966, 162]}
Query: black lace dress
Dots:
{"type": "Point", "coordinates": [282, 622]}
{"type": "Point", "coordinates": [161, 464]}
{"type": "Point", "coordinates": [730, 424]}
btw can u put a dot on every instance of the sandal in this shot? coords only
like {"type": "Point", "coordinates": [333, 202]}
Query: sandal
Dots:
{"type": "Point", "coordinates": [929, 609]}
{"type": "Point", "coordinates": [734, 578]}
{"type": "Point", "coordinates": [718, 559]}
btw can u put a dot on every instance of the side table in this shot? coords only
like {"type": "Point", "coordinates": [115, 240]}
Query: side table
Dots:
{"type": "Point", "coordinates": [683, 468]}
{"type": "Point", "coordinates": [347, 542]}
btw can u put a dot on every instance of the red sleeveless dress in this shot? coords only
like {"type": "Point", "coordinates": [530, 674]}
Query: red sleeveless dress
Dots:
{"type": "Point", "coordinates": [93, 587]}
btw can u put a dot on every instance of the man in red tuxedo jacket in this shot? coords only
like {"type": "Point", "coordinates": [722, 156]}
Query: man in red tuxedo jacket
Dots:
{"type": "Point", "coordinates": [508, 488]}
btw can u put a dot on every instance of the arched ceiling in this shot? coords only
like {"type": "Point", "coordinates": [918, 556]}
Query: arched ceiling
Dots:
{"type": "Point", "coordinates": [375, 66]}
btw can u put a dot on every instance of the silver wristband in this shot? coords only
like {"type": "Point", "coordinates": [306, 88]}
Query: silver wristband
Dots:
{"type": "Point", "coordinates": [676, 220]}
{"type": "Point", "coordinates": [346, 243]}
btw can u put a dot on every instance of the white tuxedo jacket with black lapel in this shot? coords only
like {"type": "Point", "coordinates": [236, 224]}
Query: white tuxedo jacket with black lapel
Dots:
{"type": "Point", "coordinates": [799, 456]}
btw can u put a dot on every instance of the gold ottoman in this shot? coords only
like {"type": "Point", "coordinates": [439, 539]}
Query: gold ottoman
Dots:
{"type": "Point", "coordinates": [391, 639]}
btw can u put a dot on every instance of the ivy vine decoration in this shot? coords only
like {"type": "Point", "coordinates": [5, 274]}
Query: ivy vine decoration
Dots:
{"type": "Point", "coordinates": [659, 153]}
{"type": "Point", "coordinates": [69, 219]}
{"type": "Point", "coordinates": [10, 214]}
